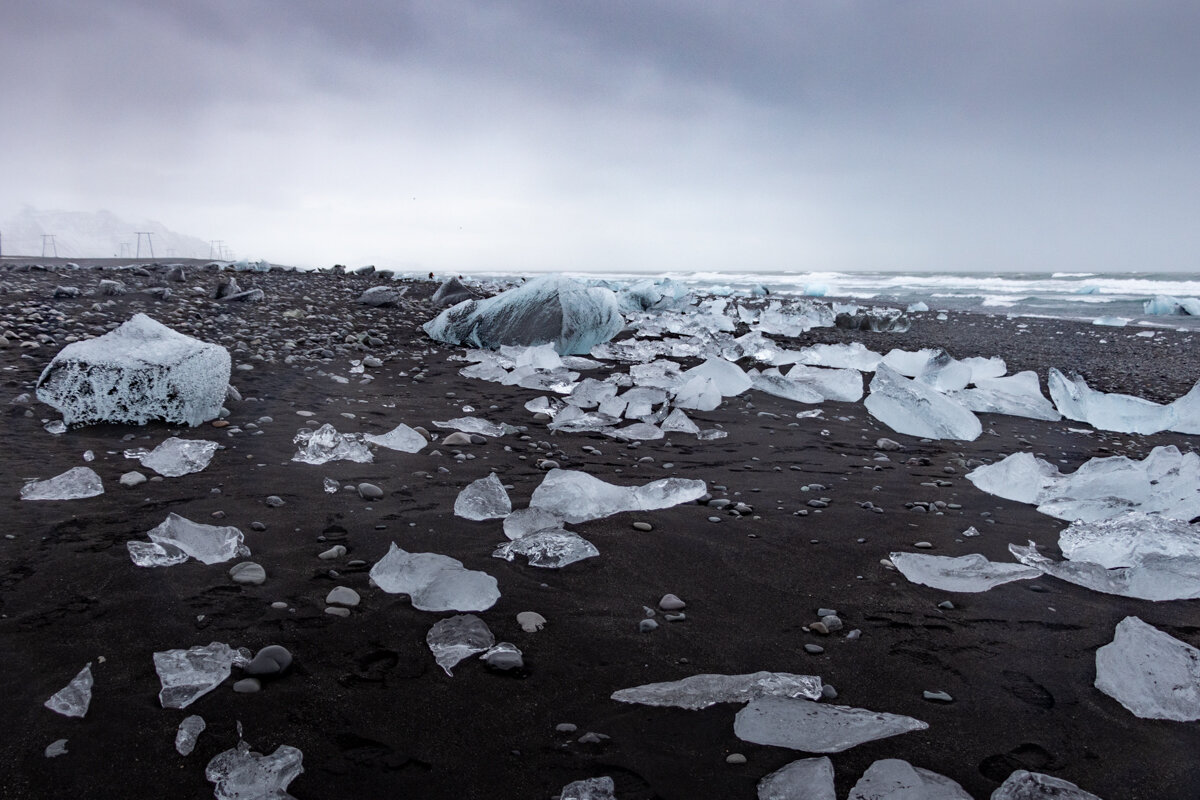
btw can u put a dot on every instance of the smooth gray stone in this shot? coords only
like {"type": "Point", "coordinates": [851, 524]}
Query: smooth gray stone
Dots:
{"type": "Point", "coordinates": [342, 596]}
{"type": "Point", "coordinates": [248, 572]}
{"type": "Point", "coordinates": [369, 491]}
{"type": "Point", "coordinates": [247, 686]}
{"type": "Point", "coordinates": [273, 659]}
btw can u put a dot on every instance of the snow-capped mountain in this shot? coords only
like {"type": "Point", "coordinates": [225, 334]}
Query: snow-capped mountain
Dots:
{"type": "Point", "coordinates": [101, 234]}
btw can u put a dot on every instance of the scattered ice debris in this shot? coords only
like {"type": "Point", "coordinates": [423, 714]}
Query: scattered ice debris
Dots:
{"type": "Point", "coordinates": [571, 316]}
{"type": "Point", "coordinates": [186, 675]}
{"type": "Point", "coordinates": [1151, 673]}
{"type": "Point", "coordinates": [1112, 322]}
{"type": "Point", "coordinates": [240, 774]}
{"type": "Point", "coordinates": [483, 499]}
{"type": "Point", "coordinates": [908, 406]}
{"type": "Point", "coordinates": [1122, 412]}
{"type": "Point", "coordinates": [73, 699]}
{"type": "Point", "coordinates": [140, 371]}
{"type": "Point", "coordinates": [589, 789]}
{"type": "Point", "coordinates": [56, 748]}
{"type": "Point", "coordinates": [326, 444]}
{"type": "Point", "coordinates": [176, 457]}
{"type": "Point", "coordinates": [816, 727]}
{"type": "Point", "coordinates": [805, 779]}
{"type": "Point", "coordinates": [969, 573]}
{"type": "Point", "coordinates": [551, 549]}
{"type": "Point", "coordinates": [701, 691]}
{"type": "Point", "coordinates": [895, 779]}
{"type": "Point", "coordinates": [578, 497]}
{"type": "Point", "coordinates": [476, 425]}
{"type": "Point", "coordinates": [188, 732]}
{"type": "Point", "coordinates": [56, 427]}
{"type": "Point", "coordinates": [1025, 785]}
{"type": "Point", "coordinates": [74, 484]}
{"type": "Point", "coordinates": [434, 582]}
{"type": "Point", "coordinates": [177, 538]}
{"type": "Point", "coordinates": [401, 438]}
{"type": "Point", "coordinates": [455, 638]}
{"type": "Point", "coordinates": [1163, 483]}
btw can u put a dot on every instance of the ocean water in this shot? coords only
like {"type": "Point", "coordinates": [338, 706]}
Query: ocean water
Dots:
{"type": "Point", "coordinates": [1058, 295]}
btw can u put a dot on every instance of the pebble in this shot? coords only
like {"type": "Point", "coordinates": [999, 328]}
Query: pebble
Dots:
{"type": "Point", "coordinates": [257, 526]}
{"type": "Point", "coordinates": [592, 738]}
{"type": "Point", "coordinates": [566, 727]}
{"type": "Point", "coordinates": [826, 612]}
{"type": "Point", "coordinates": [946, 604]}
{"type": "Point", "coordinates": [828, 692]}
{"type": "Point", "coordinates": [643, 526]}
{"type": "Point", "coordinates": [680, 617]}
{"type": "Point", "coordinates": [504, 657]}
{"type": "Point", "coordinates": [247, 686]}
{"type": "Point", "coordinates": [923, 545]}
{"type": "Point", "coordinates": [275, 501]}
{"type": "Point", "coordinates": [853, 635]}
{"type": "Point", "coordinates": [814, 649]}
{"type": "Point", "coordinates": [832, 622]}
{"type": "Point", "coordinates": [342, 596]}
{"type": "Point", "coordinates": [56, 748]}
{"type": "Point", "coordinates": [273, 659]}
{"type": "Point", "coordinates": [735, 758]}
{"type": "Point", "coordinates": [279, 605]}
{"type": "Point", "coordinates": [337, 551]}
{"type": "Point", "coordinates": [887, 444]}
{"type": "Point", "coordinates": [457, 438]}
{"type": "Point", "coordinates": [531, 621]}
{"type": "Point", "coordinates": [131, 479]}
{"type": "Point", "coordinates": [670, 602]}
{"type": "Point", "coordinates": [249, 573]}
{"type": "Point", "coordinates": [647, 625]}
{"type": "Point", "coordinates": [937, 697]}
{"type": "Point", "coordinates": [714, 519]}
{"type": "Point", "coordinates": [337, 611]}
{"type": "Point", "coordinates": [369, 491]}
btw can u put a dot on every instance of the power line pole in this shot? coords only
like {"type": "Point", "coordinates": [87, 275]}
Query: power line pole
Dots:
{"type": "Point", "coordinates": [149, 243]}
{"type": "Point", "coordinates": [48, 238]}
{"type": "Point", "coordinates": [216, 246]}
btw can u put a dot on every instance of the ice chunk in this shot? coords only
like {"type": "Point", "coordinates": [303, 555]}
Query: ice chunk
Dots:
{"type": "Point", "coordinates": [455, 638]}
{"type": "Point", "coordinates": [678, 421]}
{"type": "Point", "coordinates": [140, 371]}
{"type": "Point", "coordinates": [589, 789]}
{"type": "Point", "coordinates": [1111, 322]}
{"type": "Point", "coordinates": [1017, 395]}
{"type": "Point", "coordinates": [910, 407]}
{"type": "Point", "coordinates": [1110, 412]}
{"type": "Point", "coordinates": [74, 484]}
{"type": "Point", "coordinates": [1156, 578]}
{"type": "Point", "coordinates": [772, 383]}
{"type": "Point", "coordinates": [1127, 540]}
{"type": "Point", "coordinates": [552, 549]}
{"type": "Point", "coordinates": [987, 368]}
{"type": "Point", "coordinates": [641, 400]}
{"type": "Point", "coordinates": [727, 377]}
{"type": "Point", "coordinates": [589, 393]}
{"type": "Point", "coordinates": [895, 779]}
{"type": "Point", "coordinates": [483, 499]}
{"type": "Point", "coordinates": [1151, 673]}
{"type": "Point", "coordinates": [578, 497]}
{"type": "Point", "coordinates": [1164, 304]}
{"type": "Point", "coordinates": [73, 699]}
{"type": "Point", "coordinates": [550, 309]}
{"type": "Point", "coordinates": [451, 292]}
{"type": "Point", "coordinates": [188, 732]}
{"type": "Point", "coordinates": [434, 582]}
{"type": "Point", "coordinates": [843, 356]}
{"type": "Point", "coordinates": [637, 432]}
{"type": "Point", "coordinates": [176, 457]}
{"type": "Point", "coordinates": [401, 438]}
{"type": "Point", "coordinates": [969, 573]}
{"type": "Point", "coordinates": [176, 536]}
{"type": "Point", "coordinates": [657, 374]}
{"type": "Point", "coordinates": [698, 393]}
{"type": "Point", "coordinates": [476, 425]}
{"type": "Point", "coordinates": [525, 521]}
{"type": "Point", "coordinates": [240, 774]}
{"type": "Point", "coordinates": [701, 691]}
{"type": "Point", "coordinates": [186, 675]}
{"type": "Point", "coordinates": [933, 367]}
{"type": "Point", "coordinates": [842, 385]}
{"type": "Point", "coordinates": [805, 779]}
{"type": "Point", "coordinates": [816, 727]}
{"type": "Point", "coordinates": [795, 318]}
{"type": "Point", "coordinates": [1025, 785]}
{"type": "Point", "coordinates": [326, 444]}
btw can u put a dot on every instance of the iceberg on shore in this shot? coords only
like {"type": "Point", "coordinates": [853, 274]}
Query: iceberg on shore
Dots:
{"type": "Point", "coordinates": [911, 407]}
{"type": "Point", "coordinates": [1122, 412]}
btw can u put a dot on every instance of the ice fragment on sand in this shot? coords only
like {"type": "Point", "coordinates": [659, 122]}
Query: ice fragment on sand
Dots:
{"type": "Point", "coordinates": [1024, 785]}
{"type": "Point", "coordinates": [326, 444]}
{"type": "Point", "coordinates": [176, 457]}
{"type": "Point", "coordinates": [1165, 304]}
{"type": "Point", "coordinates": [56, 748]}
{"type": "Point", "coordinates": [805, 779]}
{"type": "Point", "coordinates": [178, 536]}
{"type": "Point", "coordinates": [1017, 395]}
{"type": "Point", "coordinates": [525, 521]}
{"type": "Point", "coordinates": [476, 425]}
{"type": "Point", "coordinates": [453, 639]}
{"type": "Point", "coordinates": [701, 691]}
{"type": "Point", "coordinates": [74, 484]}
{"type": "Point", "coordinates": [969, 573]}
{"type": "Point", "coordinates": [1155, 577]}
{"type": "Point", "coordinates": [842, 385]}
{"type": "Point", "coordinates": [773, 383]}
{"type": "Point", "coordinates": [141, 371]}
{"type": "Point", "coordinates": [895, 779]}
{"type": "Point", "coordinates": [907, 406]}
{"type": "Point", "coordinates": [727, 377]}
{"type": "Point", "coordinates": [1151, 673]}
{"type": "Point", "coordinates": [579, 497]}
{"type": "Point", "coordinates": [401, 438]}
{"type": "Point", "coordinates": [589, 789]}
{"type": "Point", "coordinates": [73, 699]}
{"type": "Point", "coordinates": [678, 421]}
{"type": "Point", "coordinates": [434, 582]}
{"type": "Point", "coordinates": [843, 356]}
{"type": "Point", "coordinates": [240, 774]}
{"type": "Point", "coordinates": [188, 732]}
{"type": "Point", "coordinates": [699, 393]}
{"type": "Point", "coordinates": [1110, 412]}
{"type": "Point", "coordinates": [551, 549]}
{"type": "Point", "coordinates": [186, 675]}
{"type": "Point", "coordinates": [560, 311]}
{"type": "Point", "coordinates": [933, 367]}
{"type": "Point", "coordinates": [483, 499]}
{"type": "Point", "coordinates": [816, 727]}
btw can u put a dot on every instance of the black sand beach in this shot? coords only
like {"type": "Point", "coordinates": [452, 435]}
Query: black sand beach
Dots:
{"type": "Point", "coordinates": [374, 715]}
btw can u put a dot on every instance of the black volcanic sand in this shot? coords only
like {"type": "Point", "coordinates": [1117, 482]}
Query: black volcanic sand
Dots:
{"type": "Point", "coordinates": [372, 713]}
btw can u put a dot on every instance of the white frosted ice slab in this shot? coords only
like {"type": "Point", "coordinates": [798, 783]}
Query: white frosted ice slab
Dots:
{"type": "Point", "coordinates": [816, 727]}
{"type": "Point", "coordinates": [701, 691]}
{"type": "Point", "coordinates": [1025, 785]}
{"type": "Point", "coordinates": [804, 779]}
{"type": "Point", "coordinates": [895, 779]}
{"type": "Point", "coordinates": [969, 573]}
{"type": "Point", "coordinates": [1151, 673]}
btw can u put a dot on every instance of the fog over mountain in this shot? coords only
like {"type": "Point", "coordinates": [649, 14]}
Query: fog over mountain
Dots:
{"type": "Point", "coordinates": [100, 234]}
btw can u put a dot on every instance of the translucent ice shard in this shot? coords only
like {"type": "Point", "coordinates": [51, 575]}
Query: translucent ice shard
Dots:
{"type": "Point", "coordinates": [551, 549]}
{"type": "Point", "coordinates": [434, 582]}
{"type": "Point", "coordinates": [141, 371]}
{"type": "Point", "coordinates": [1110, 412]}
{"type": "Point", "coordinates": [401, 438]}
{"type": "Point", "coordinates": [188, 732]}
{"type": "Point", "coordinates": [910, 407]}
{"type": "Point", "coordinates": [969, 573]}
{"type": "Point", "coordinates": [842, 385]}
{"type": "Point", "coordinates": [843, 356]}
{"type": "Point", "coordinates": [933, 367]}
{"type": "Point", "coordinates": [326, 444]}
{"type": "Point", "coordinates": [894, 779]}
{"type": "Point", "coordinates": [1025, 785]}
{"type": "Point", "coordinates": [240, 774]}
{"type": "Point", "coordinates": [453, 639]}
{"type": "Point", "coordinates": [816, 727]}
{"type": "Point", "coordinates": [698, 393]}
{"type": "Point", "coordinates": [773, 383]}
{"type": "Point", "coordinates": [186, 675]}
{"type": "Point", "coordinates": [483, 499]}
{"type": "Point", "coordinates": [525, 521]}
{"type": "Point", "coordinates": [701, 691]}
{"type": "Point", "coordinates": [589, 789]}
{"type": "Point", "coordinates": [476, 425]}
{"type": "Point", "coordinates": [176, 535]}
{"type": "Point", "coordinates": [1017, 395]}
{"type": "Point", "coordinates": [551, 309]}
{"type": "Point", "coordinates": [727, 377]}
{"type": "Point", "coordinates": [637, 432]}
{"type": "Point", "coordinates": [73, 699]}
{"type": "Point", "coordinates": [805, 779]}
{"type": "Point", "coordinates": [678, 421]}
{"type": "Point", "coordinates": [74, 484]}
{"type": "Point", "coordinates": [176, 457]}
{"type": "Point", "coordinates": [1151, 673]}
{"type": "Point", "coordinates": [579, 497]}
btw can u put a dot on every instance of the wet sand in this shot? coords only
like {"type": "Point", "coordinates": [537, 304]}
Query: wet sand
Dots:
{"type": "Point", "coordinates": [372, 713]}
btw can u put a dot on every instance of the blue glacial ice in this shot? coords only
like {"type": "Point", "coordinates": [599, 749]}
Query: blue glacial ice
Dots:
{"type": "Point", "coordinates": [1121, 412]}
{"type": "Point", "coordinates": [911, 407]}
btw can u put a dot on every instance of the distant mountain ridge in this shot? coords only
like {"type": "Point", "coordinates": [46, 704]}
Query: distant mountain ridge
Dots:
{"type": "Point", "coordinates": [99, 234]}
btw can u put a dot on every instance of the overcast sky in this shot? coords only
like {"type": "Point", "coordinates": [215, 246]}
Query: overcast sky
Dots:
{"type": "Point", "coordinates": [690, 135]}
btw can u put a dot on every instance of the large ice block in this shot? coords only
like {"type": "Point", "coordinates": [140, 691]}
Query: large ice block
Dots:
{"type": "Point", "coordinates": [483, 499]}
{"type": "Point", "coordinates": [1025, 785]}
{"type": "Point", "coordinates": [843, 356]}
{"type": "Point", "coordinates": [189, 674]}
{"type": "Point", "coordinates": [969, 573]}
{"type": "Point", "coordinates": [933, 367]}
{"type": "Point", "coordinates": [74, 484]}
{"type": "Point", "coordinates": [578, 497]}
{"type": "Point", "coordinates": [895, 779]}
{"type": "Point", "coordinates": [1151, 673]}
{"type": "Point", "coordinates": [1155, 577]}
{"type": "Point", "coordinates": [1017, 395]}
{"type": "Point", "coordinates": [138, 372]}
{"type": "Point", "coordinates": [550, 309]}
{"type": "Point", "coordinates": [907, 406]}
{"type": "Point", "coordinates": [701, 691]}
{"type": "Point", "coordinates": [434, 582]}
{"type": "Point", "coordinates": [241, 774]}
{"type": "Point", "coordinates": [1110, 412]}
{"type": "Point", "coordinates": [476, 425]}
{"type": "Point", "coordinates": [816, 727]}
{"type": "Point", "coordinates": [804, 779]}
{"type": "Point", "coordinates": [210, 544]}
{"type": "Point", "coordinates": [456, 638]}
